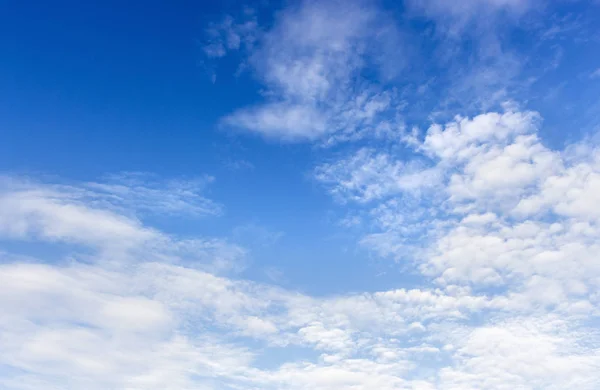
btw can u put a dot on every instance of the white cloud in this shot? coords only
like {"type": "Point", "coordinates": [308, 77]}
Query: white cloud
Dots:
{"type": "Point", "coordinates": [500, 232]}
{"type": "Point", "coordinates": [368, 175]}
{"type": "Point", "coordinates": [230, 35]}
{"type": "Point", "coordinates": [284, 121]}
{"type": "Point", "coordinates": [85, 326]}
{"type": "Point", "coordinates": [50, 214]}
{"type": "Point", "coordinates": [527, 353]}
{"type": "Point", "coordinates": [310, 62]}
{"type": "Point", "coordinates": [511, 219]}
{"type": "Point", "coordinates": [571, 191]}
{"type": "Point", "coordinates": [157, 322]}
{"type": "Point", "coordinates": [476, 65]}
{"type": "Point", "coordinates": [512, 253]}
{"type": "Point", "coordinates": [146, 193]}
{"type": "Point", "coordinates": [491, 155]}
{"type": "Point", "coordinates": [455, 17]}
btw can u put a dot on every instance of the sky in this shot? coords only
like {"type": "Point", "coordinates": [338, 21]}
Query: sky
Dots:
{"type": "Point", "coordinates": [300, 195]}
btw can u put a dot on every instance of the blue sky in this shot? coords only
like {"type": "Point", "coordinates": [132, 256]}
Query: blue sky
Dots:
{"type": "Point", "coordinates": [300, 195]}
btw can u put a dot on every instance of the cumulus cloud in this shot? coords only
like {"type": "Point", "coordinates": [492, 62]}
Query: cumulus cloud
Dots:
{"type": "Point", "coordinates": [510, 218]}
{"type": "Point", "coordinates": [156, 321]}
{"type": "Point", "coordinates": [539, 352]}
{"type": "Point", "coordinates": [492, 169]}
{"type": "Point", "coordinates": [499, 230]}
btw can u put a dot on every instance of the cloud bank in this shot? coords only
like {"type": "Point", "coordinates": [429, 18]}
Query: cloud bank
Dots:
{"type": "Point", "coordinates": [501, 229]}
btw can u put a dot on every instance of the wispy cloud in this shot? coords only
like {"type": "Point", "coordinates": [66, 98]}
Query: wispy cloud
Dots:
{"type": "Point", "coordinates": [453, 18]}
{"type": "Point", "coordinates": [311, 61]}
{"type": "Point", "coordinates": [147, 193]}
{"type": "Point", "coordinates": [368, 175]}
{"type": "Point", "coordinates": [327, 67]}
{"type": "Point", "coordinates": [499, 229]}
{"type": "Point", "coordinates": [229, 34]}
{"type": "Point", "coordinates": [252, 234]}
{"type": "Point", "coordinates": [58, 213]}
{"type": "Point", "coordinates": [90, 322]}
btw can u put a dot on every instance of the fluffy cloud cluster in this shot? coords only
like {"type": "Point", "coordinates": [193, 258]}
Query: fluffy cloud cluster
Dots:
{"type": "Point", "coordinates": [502, 230]}
{"type": "Point", "coordinates": [513, 283]}
{"type": "Point", "coordinates": [513, 220]}
{"type": "Point", "coordinates": [129, 315]}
